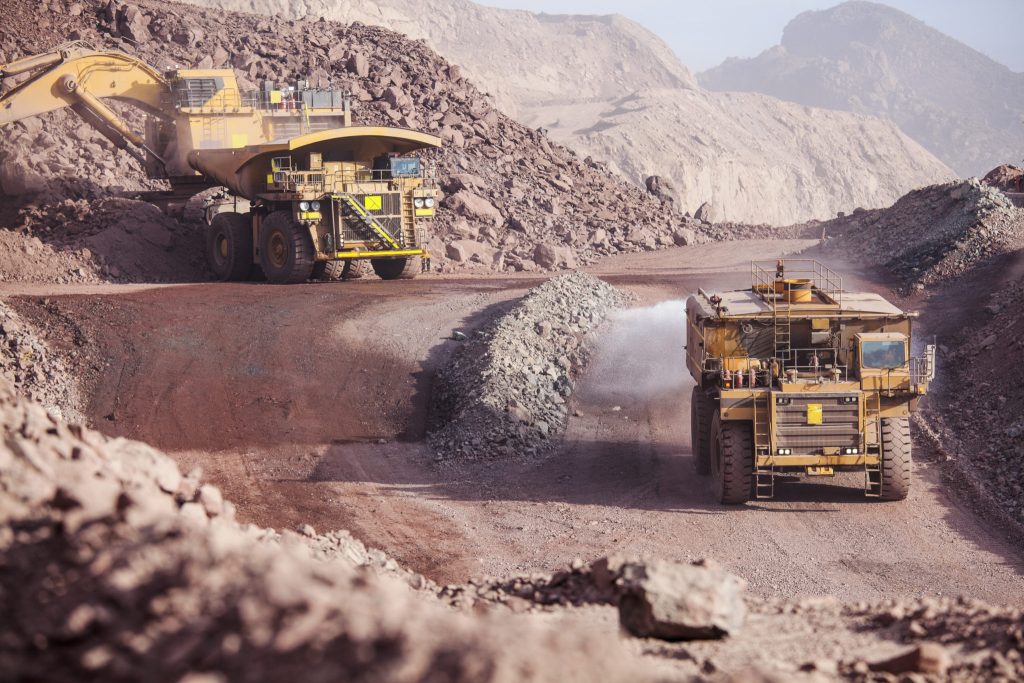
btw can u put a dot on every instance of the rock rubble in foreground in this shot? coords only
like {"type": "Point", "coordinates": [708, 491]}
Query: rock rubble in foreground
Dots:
{"type": "Point", "coordinates": [115, 567]}
{"type": "Point", "coordinates": [506, 393]}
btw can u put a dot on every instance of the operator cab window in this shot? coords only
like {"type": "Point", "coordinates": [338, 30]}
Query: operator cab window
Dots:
{"type": "Point", "coordinates": [883, 354]}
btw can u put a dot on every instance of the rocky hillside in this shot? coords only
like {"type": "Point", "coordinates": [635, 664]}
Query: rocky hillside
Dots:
{"type": "Point", "coordinates": [871, 59]}
{"type": "Point", "coordinates": [570, 74]}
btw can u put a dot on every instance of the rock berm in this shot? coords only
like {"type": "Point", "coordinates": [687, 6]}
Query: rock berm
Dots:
{"type": "Point", "coordinates": [506, 392]}
{"type": "Point", "coordinates": [933, 234]}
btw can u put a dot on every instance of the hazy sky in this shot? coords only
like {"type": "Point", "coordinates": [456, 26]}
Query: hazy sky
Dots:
{"type": "Point", "coordinates": [704, 32]}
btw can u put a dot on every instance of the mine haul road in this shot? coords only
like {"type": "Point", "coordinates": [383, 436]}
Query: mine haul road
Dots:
{"type": "Point", "coordinates": [308, 404]}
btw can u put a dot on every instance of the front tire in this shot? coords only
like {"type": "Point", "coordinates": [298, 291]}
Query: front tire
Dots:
{"type": "Point", "coordinates": [405, 268]}
{"type": "Point", "coordinates": [700, 431]}
{"type": "Point", "coordinates": [732, 460]}
{"type": "Point", "coordinates": [229, 246]}
{"type": "Point", "coordinates": [286, 249]}
{"type": "Point", "coordinates": [896, 458]}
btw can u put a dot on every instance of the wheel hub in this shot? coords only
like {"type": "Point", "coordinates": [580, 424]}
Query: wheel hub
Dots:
{"type": "Point", "coordinates": [278, 250]}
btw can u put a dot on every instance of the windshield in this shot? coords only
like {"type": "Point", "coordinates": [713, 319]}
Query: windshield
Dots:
{"type": "Point", "coordinates": [883, 354]}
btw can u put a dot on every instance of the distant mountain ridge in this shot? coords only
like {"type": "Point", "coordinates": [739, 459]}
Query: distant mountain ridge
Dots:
{"type": "Point", "coordinates": [872, 59]}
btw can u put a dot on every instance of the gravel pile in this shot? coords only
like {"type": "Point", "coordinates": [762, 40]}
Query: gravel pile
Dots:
{"type": "Point", "coordinates": [505, 394]}
{"type": "Point", "coordinates": [114, 566]}
{"type": "Point", "coordinates": [514, 200]}
{"type": "Point", "coordinates": [933, 234]}
{"type": "Point", "coordinates": [33, 370]}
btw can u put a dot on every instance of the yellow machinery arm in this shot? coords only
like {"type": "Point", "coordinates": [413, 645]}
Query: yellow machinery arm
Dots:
{"type": "Point", "coordinates": [75, 76]}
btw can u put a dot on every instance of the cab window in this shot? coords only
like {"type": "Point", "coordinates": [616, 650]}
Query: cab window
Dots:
{"type": "Point", "coordinates": [883, 354]}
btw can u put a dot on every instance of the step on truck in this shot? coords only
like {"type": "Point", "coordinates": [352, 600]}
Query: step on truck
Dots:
{"type": "Point", "coordinates": [309, 193]}
{"type": "Point", "coordinates": [796, 376]}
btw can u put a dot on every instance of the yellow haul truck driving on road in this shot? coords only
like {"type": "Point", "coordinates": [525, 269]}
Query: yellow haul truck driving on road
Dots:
{"type": "Point", "coordinates": [321, 191]}
{"type": "Point", "coordinates": [795, 375]}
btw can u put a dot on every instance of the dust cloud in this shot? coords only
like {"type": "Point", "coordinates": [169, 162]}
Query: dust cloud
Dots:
{"type": "Point", "coordinates": [639, 354]}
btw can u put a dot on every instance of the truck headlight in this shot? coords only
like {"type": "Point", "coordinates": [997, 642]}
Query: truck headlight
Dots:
{"type": "Point", "coordinates": [429, 202]}
{"type": "Point", "coordinates": [851, 451]}
{"type": "Point", "coordinates": [418, 202]}
{"type": "Point", "coordinates": [303, 206]}
{"type": "Point", "coordinates": [785, 451]}
{"type": "Point", "coordinates": [315, 206]}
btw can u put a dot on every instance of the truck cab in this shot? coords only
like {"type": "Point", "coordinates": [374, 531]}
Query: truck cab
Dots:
{"type": "Point", "coordinates": [797, 375]}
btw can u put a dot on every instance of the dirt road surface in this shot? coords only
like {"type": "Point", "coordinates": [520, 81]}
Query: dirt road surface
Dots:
{"type": "Point", "coordinates": [307, 404]}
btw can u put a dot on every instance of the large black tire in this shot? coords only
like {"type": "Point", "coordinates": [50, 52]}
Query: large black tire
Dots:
{"type": "Point", "coordinates": [397, 268]}
{"type": "Point", "coordinates": [896, 458]}
{"type": "Point", "coordinates": [732, 460]}
{"type": "Point", "coordinates": [347, 269]}
{"type": "Point", "coordinates": [229, 246]}
{"type": "Point", "coordinates": [700, 431]}
{"type": "Point", "coordinates": [286, 249]}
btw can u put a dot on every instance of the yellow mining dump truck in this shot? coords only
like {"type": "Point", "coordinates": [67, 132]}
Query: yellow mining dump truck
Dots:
{"type": "Point", "coordinates": [320, 192]}
{"type": "Point", "coordinates": [795, 375]}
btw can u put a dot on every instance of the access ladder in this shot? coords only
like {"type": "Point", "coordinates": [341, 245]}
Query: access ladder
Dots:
{"type": "Point", "coordinates": [764, 475]}
{"type": "Point", "coordinates": [351, 207]}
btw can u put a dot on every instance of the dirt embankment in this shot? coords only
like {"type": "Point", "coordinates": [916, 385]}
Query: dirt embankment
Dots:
{"type": "Point", "coordinates": [932, 235]}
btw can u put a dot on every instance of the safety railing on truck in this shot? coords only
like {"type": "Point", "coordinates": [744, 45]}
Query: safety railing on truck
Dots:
{"type": "Point", "coordinates": [764, 275]}
{"type": "Point", "coordinates": [207, 95]}
{"type": "Point", "coordinates": [742, 372]}
{"type": "Point", "coordinates": [285, 179]}
{"type": "Point", "coordinates": [815, 363]}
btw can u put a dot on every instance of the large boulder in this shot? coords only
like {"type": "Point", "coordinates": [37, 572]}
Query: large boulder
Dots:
{"type": "Point", "coordinates": [550, 256]}
{"type": "Point", "coordinates": [462, 251]}
{"type": "Point", "coordinates": [475, 208]}
{"type": "Point", "coordinates": [675, 601]}
{"type": "Point", "coordinates": [706, 213]}
{"type": "Point", "coordinates": [662, 188]}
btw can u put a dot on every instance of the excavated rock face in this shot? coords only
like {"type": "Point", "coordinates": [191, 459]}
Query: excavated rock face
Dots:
{"type": "Point", "coordinates": [506, 392]}
{"type": "Point", "coordinates": [754, 158]}
{"type": "Point", "coordinates": [509, 184]}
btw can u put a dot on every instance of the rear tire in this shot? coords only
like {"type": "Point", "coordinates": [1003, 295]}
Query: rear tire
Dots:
{"type": "Point", "coordinates": [397, 268]}
{"type": "Point", "coordinates": [700, 431]}
{"type": "Point", "coordinates": [896, 458]}
{"type": "Point", "coordinates": [229, 246]}
{"type": "Point", "coordinates": [347, 269]}
{"type": "Point", "coordinates": [732, 460]}
{"type": "Point", "coordinates": [286, 249]}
